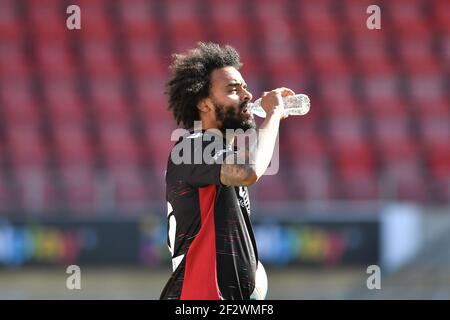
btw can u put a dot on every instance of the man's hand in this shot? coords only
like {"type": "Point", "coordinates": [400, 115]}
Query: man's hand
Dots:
{"type": "Point", "coordinates": [272, 101]}
{"type": "Point", "coordinates": [248, 174]}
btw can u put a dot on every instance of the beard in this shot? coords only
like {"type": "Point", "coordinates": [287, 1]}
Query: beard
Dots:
{"type": "Point", "coordinates": [234, 118]}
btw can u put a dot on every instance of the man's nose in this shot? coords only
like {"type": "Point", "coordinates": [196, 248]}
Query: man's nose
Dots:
{"type": "Point", "coordinates": [247, 95]}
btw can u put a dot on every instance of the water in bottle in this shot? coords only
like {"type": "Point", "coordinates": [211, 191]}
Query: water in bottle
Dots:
{"type": "Point", "coordinates": [297, 105]}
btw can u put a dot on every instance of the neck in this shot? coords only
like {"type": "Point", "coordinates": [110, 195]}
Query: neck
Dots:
{"type": "Point", "coordinates": [206, 124]}
{"type": "Point", "coordinates": [229, 139]}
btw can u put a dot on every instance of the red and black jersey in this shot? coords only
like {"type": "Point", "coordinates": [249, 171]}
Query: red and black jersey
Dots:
{"type": "Point", "coordinates": [210, 236]}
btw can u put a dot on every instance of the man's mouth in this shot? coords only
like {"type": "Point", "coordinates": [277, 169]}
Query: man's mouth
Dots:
{"type": "Point", "coordinates": [244, 109]}
{"type": "Point", "coordinates": [246, 114]}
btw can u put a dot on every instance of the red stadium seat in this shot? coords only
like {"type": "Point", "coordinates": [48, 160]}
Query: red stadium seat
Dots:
{"type": "Point", "coordinates": [327, 56]}
{"type": "Point", "coordinates": [399, 152]}
{"type": "Point", "coordinates": [158, 148]}
{"type": "Point", "coordinates": [441, 188]}
{"type": "Point", "coordinates": [14, 64]}
{"type": "Point", "coordinates": [355, 15]}
{"type": "Point", "coordinates": [55, 60]}
{"type": "Point", "coordinates": [426, 88]}
{"type": "Point", "coordinates": [48, 20]}
{"type": "Point", "coordinates": [433, 106]}
{"type": "Point", "coordinates": [6, 195]}
{"type": "Point", "coordinates": [371, 55]}
{"type": "Point", "coordinates": [229, 22]}
{"type": "Point", "coordinates": [19, 104]}
{"type": "Point", "coordinates": [119, 145]}
{"type": "Point", "coordinates": [10, 23]}
{"type": "Point", "coordinates": [311, 181]}
{"type": "Point", "coordinates": [282, 62]}
{"type": "Point", "coordinates": [347, 130]}
{"type": "Point", "coordinates": [401, 169]}
{"type": "Point", "coordinates": [302, 143]}
{"type": "Point", "coordinates": [358, 186]}
{"type": "Point", "coordinates": [386, 107]}
{"type": "Point", "coordinates": [252, 67]}
{"type": "Point", "coordinates": [429, 97]}
{"type": "Point", "coordinates": [130, 192]}
{"type": "Point", "coordinates": [273, 18]}
{"type": "Point", "coordinates": [317, 19]}
{"type": "Point", "coordinates": [438, 155]}
{"type": "Point", "coordinates": [151, 100]}
{"type": "Point", "coordinates": [409, 19]}
{"type": "Point", "coordinates": [37, 190]}
{"type": "Point", "coordinates": [404, 182]}
{"type": "Point", "coordinates": [438, 160]}
{"type": "Point", "coordinates": [234, 32]}
{"type": "Point", "coordinates": [184, 25]}
{"type": "Point", "coordinates": [138, 22]}
{"type": "Point", "coordinates": [400, 160]}
{"type": "Point", "coordinates": [27, 146]}
{"type": "Point", "coordinates": [342, 107]}
{"type": "Point", "coordinates": [355, 160]}
{"type": "Point", "coordinates": [108, 101]}
{"type": "Point", "coordinates": [184, 34]}
{"type": "Point", "coordinates": [388, 131]}
{"type": "Point", "coordinates": [336, 98]}
{"type": "Point", "coordinates": [146, 59]}
{"type": "Point", "coordinates": [159, 145]}
{"type": "Point", "coordinates": [267, 9]}
{"type": "Point", "coordinates": [73, 145]}
{"type": "Point", "coordinates": [186, 30]}
{"type": "Point", "coordinates": [435, 130]}
{"type": "Point", "coordinates": [383, 99]}
{"type": "Point", "coordinates": [83, 189]}
{"type": "Point", "coordinates": [101, 58]}
{"type": "Point", "coordinates": [440, 14]}
{"type": "Point", "coordinates": [353, 155]}
{"type": "Point", "coordinates": [64, 102]}
{"type": "Point", "coordinates": [272, 188]}
{"type": "Point", "coordinates": [417, 56]}
{"type": "Point", "coordinates": [179, 11]}
{"type": "Point", "coordinates": [378, 87]}
{"type": "Point", "coordinates": [96, 21]}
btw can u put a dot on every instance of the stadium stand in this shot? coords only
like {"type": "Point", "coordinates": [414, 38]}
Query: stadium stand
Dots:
{"type": "Point", "coordinates": [83, 111]}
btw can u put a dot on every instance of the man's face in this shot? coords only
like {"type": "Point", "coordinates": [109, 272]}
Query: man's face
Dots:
{"type": "Point", "coordinates": [229, 96]}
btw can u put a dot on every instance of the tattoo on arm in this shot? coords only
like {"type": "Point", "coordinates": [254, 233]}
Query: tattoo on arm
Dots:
{"type": "Point", "coordinates": [237, 175]}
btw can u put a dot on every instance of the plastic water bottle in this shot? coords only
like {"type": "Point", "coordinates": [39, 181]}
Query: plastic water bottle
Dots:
{"type": "Point", "coordinates": [297, 105]}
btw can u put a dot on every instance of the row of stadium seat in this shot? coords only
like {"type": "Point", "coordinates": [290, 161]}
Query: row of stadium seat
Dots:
{"type": "Point", "coordinates": [84, 121]}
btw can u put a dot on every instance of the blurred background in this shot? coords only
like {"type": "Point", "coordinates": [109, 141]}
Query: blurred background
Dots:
{"type": "Point", "coordinates": [364, 178]}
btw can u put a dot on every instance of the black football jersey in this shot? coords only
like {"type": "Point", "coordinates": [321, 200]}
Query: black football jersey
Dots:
{"type": "Point", "coordinates": [210, 235]}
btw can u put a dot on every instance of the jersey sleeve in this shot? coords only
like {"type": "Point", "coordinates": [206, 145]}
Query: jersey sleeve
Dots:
{"type": "Point", "coordinates": [205, 163]}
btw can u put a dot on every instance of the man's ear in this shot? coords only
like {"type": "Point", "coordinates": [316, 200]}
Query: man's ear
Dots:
{"type": "Point", "coordinates": [204, 105]}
